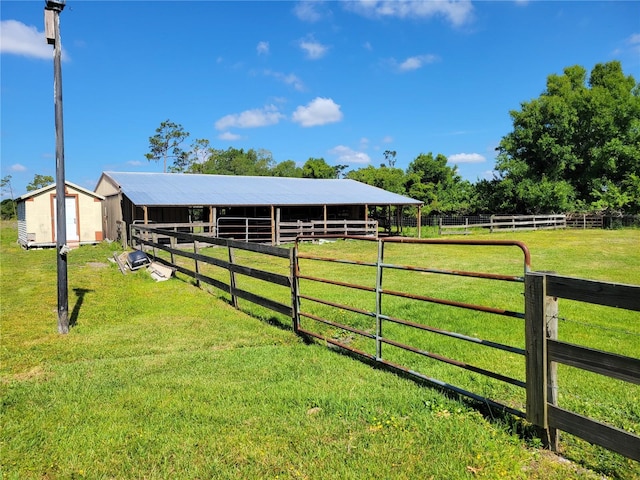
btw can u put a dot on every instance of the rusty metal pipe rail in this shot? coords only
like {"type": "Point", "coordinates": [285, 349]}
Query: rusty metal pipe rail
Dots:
{"type": "Point", "coordinates": [453, 303]}
{"type": "Point", "coordinates": [457, 363]}
{"type": "Point", "coordinates": [399, 321]}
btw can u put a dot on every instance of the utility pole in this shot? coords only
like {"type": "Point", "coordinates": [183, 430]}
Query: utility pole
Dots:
{"type": "Point", "coordinates": [52, 11]}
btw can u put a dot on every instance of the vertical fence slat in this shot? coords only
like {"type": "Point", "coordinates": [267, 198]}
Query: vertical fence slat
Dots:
{"type": "Point", "coordinates": [232, 278]}
{"type": "Point", "coordinates": [551, 315]}
{"type": "Point", "coordinates": [536, 355]}
{"type": "Point", "coordinates": [196, 250]}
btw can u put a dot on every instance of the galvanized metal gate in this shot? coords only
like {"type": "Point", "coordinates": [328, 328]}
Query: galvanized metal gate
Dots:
{"type": "Point", "coordinates": [326, 316]}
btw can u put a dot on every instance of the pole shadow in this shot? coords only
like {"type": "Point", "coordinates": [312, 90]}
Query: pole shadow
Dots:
{"type": "Point", "coordinates": [80, 293]}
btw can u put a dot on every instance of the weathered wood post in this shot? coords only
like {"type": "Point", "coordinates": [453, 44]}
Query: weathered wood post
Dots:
{"type": "Point", "coordinates": [295, 305]}
{"type": "Point", "coordinates": [196, 250]}
{"type": "Point", "coordinates": [232, 278]}
{"type": "Point", "coordinates": [541, 382]}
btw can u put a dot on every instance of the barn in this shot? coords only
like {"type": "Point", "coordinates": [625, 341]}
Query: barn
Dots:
{"type": "Point", "coordinates": [37, 219]}
{"type": "Point", "coordinates": [266, 209]}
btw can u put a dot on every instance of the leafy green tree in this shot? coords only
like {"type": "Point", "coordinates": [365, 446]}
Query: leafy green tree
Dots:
{"type": "Point", "coordinates": [288, 168]}
{"type": "Point", "coordinates": [166, 144]}
{"type": "Point", "coordinates": [40, 181]}
{"type": "Point", "coordinates": [318, 168]}
{"type": "Point", "coordinates": [438, 185]}
{"type": "Point", "coordinates": [235, 161]}
{"type": "Point", "coordinates": [8, 204]}
{"type": "Point", "coordinates": [577, 145]}
{"type": "Point", "coordinates": [8, 209]}
{"type": "Point", "coordinates": [387, 178]}
{"type": "Point", "coordinates": [200, 152]}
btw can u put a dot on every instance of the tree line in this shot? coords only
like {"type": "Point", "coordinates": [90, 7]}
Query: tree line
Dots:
{"type": "Point", "coordinates": [575, 148]}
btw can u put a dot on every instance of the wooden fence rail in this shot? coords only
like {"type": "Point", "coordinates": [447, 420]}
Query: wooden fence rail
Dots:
{"type": "Point", "coordinates": [544, 351]}
{"type": "Point", "coordinates": [506, 222]}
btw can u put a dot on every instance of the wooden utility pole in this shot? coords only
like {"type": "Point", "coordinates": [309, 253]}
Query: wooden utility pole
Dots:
{"type": "Point", "coordinates": [52, 11]}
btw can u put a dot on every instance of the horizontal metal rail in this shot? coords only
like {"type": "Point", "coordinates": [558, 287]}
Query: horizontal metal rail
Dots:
{"type": "Point", "coordinates": [380, 265]}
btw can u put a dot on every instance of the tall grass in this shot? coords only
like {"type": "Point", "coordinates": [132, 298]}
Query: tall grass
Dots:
{"type": "Point", "coordinates": [165, 380]}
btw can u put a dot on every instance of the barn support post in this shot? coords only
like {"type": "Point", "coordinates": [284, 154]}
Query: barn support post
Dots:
{"type": "Point", "coordinates": [278, 226]}
{"type": "Point", "coordinates": [419, 221]}
{"type": "Point", "coordinates": [324, 216]}
{"type": "Point", "coordinates": [214, 221]}
{"type": "Point", "coordinates": [211, 220]}
{"type": "Point", "coordinates": [273, 226]}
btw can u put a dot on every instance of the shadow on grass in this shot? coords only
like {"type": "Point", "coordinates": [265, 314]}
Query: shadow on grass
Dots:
{"type": "Point", "coordinates": [80, 293]}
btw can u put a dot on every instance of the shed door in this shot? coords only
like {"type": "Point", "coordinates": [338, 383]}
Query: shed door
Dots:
{"type": "Point", "coordinates": [72, 219]}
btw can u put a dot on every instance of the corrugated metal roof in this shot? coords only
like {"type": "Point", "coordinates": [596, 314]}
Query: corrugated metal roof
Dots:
{"type": "Point", "coordinates": [164, 189]}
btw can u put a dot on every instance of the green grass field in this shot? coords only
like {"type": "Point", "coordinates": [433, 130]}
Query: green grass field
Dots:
{"type": "Point", "coordinates": [165, 380]}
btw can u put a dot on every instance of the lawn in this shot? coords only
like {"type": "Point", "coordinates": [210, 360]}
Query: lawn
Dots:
{"type": "Point", "coordinates": [166, 380]}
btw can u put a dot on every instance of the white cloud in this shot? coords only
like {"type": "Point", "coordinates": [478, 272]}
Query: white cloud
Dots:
{"type": "Point", "coordinates": [314, 50]}
{"type": "Point", "coordinates": [259, 117]}
{"type": "Point", "coordinates": [414, 63]}
{"type": "Point", "coordinates": [387, 139]}
{"type": "Point", "coordinates": [229, 136]}
{"type": "Point", "coordinates": [262, 48]}
{"type": "Point", "coordinates": [319, 111]}
{"type": "Point", "coordinates": [367, 46]}
{"type": "Point", "coordinates": [466, 158]}
{"type": "Point", "coordinates": [634, 42]}
{"type": "Point", "coordinates": [289, 79]}
{"type": "Point", "coordinates": [456, 12]}
{"type": "Point", "coordinates": [16, 167]}
{"type": "Point", "coordinates": [20, 39]}
{"type": "Point", "coordinates": [135, 163]}
{"type": "Point", "coordinates": [347, 155]}
{"type": "Point", "coordinates": [310, 10]}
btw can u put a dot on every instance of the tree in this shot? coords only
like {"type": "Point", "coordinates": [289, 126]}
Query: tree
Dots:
{"type": "Point", "coordinates": [288, 168]}
{"type": "Point", "coordinates": [199, 153]}
{"type": "Point", "coordinates": [166, 144]}
{"type": "Point", "coordinates": [40, 181]}
{"type": "Point", "coordinates": [438, 185]}
{"type": "Point", "coordinates": [390, 157]}
{"type": "Point", "coordinates": [390, 179]}
{"type": "Point", "coordinates": [235, 161]}
{"type": "Point", "coordinates": [318, 168]}
{"type": "Point", "coordinates": [8, 204]}
{"type": "Point", "coordinates": [577, 145]}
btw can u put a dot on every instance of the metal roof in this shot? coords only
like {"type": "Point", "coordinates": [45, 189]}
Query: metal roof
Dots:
{"type": "Point", "coordinates": [166, 189]}
{"type": "Point", "coordinates": [52, 186]}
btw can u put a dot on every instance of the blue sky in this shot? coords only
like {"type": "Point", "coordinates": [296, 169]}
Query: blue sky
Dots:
{"type": "Point", "coordinates": [344, 81]}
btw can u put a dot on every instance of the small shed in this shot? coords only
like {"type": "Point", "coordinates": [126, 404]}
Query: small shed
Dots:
{"type": "Point", "coordinates": [37, 218]}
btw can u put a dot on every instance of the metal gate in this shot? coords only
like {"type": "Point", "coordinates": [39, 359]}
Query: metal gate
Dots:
{"type": "Point", "coordinates": [362, 307]}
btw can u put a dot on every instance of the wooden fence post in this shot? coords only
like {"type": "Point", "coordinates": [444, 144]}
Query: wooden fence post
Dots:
{"type": "Point", "coordinates": [551, 317]}
{"type": "Point", "coordinates": [295, 305]}
{"type": "Point", "coordinates": [196, 250]}
{"type": "Point", "coordinates": [541, 382]}
{"type": "Point", "coordinates": [535, 350]}
{"type": "Point", "coordinates": [173, 243]}
{"type": "Point", "coordinates": [232, 279]}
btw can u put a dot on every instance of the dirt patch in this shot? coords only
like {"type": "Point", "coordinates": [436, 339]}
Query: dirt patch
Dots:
{"type": "Point", "coordinates": [97, 264]}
